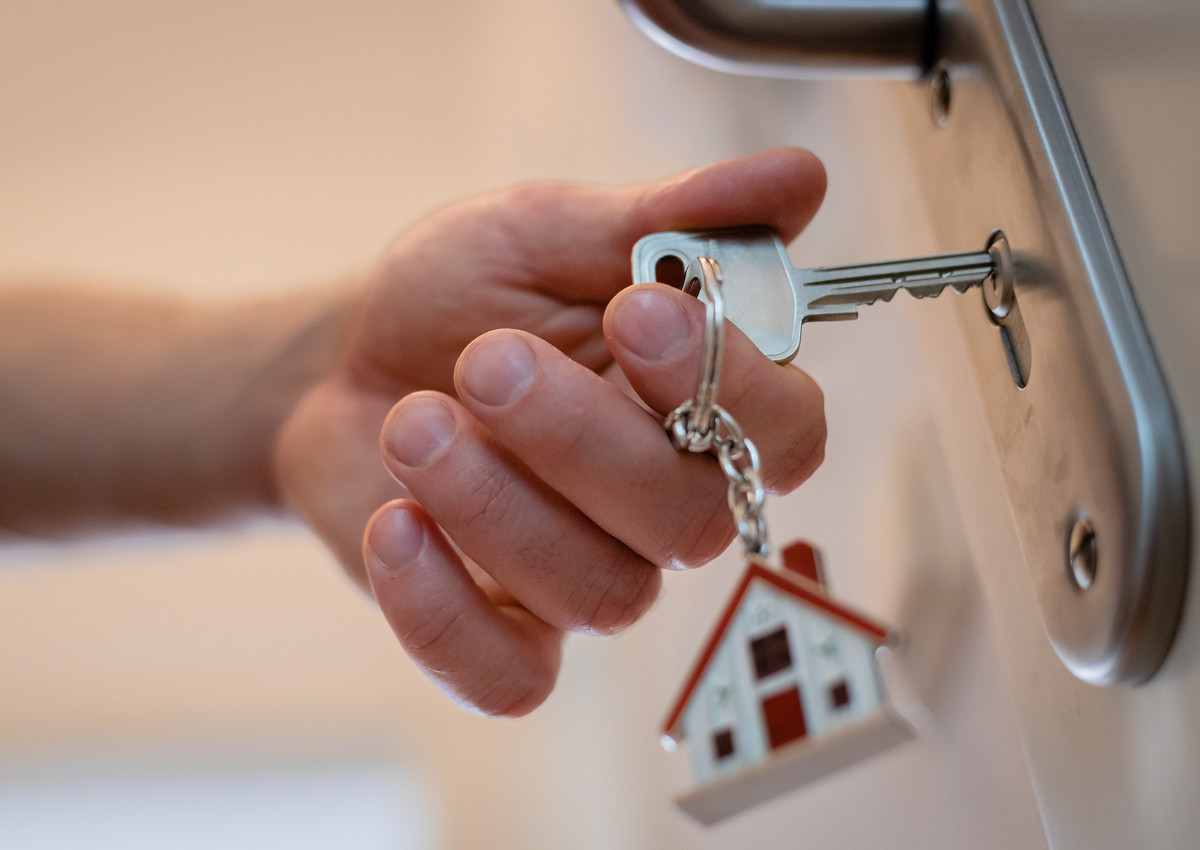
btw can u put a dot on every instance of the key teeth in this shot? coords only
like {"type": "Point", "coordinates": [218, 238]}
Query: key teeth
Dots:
{"type": "Point", "coordinates": [829, 312]}
{"type": "Point", "coordinates": [934, 291]}
{"type": "Point", "coordinates": [930, 291]}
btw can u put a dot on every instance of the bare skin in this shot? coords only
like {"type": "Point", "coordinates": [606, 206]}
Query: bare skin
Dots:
{"type": "Point", "coordinates": [522, 492]}
{"type": "Point", "coordinates": [118, 410]}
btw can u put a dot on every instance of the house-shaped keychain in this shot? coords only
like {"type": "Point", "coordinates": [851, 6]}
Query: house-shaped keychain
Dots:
{"type": "Point", "coordinates": [786, 690]}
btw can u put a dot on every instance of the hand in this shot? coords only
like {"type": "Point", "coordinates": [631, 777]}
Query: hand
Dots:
{"type": "Point", "coordinates": [544, 498]}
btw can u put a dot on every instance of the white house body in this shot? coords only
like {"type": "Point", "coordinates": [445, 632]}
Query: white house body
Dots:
{"type": "Point", "coordinates": [787, 673]}
{"type": "Point", "coordinates": [781, 671]}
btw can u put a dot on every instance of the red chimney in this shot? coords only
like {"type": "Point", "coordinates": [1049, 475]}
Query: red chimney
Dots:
{"type": "Point", "coordinates": [805, 560]}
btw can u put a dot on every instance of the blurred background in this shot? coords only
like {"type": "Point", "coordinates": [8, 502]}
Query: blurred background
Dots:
{"type": "Point", "coordinates": [230, 688]}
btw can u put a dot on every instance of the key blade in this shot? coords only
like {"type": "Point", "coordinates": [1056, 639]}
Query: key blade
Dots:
{"type": "Point", "coordinates": [836, 293]}
{"type": "Point", "coordinates": [770, 301]}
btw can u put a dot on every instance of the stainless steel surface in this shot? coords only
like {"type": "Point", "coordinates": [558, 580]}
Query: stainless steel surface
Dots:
{"type": "Point", "coordinates": [1093, 430]}
{"type": "Point", "coordinates": [770, 301]}
{"type": "Point", "coordinates": [1119, 767]}
{"type": "Point", "coordinates": [793, 38]}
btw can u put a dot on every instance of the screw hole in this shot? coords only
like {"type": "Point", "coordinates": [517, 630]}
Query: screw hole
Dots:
{"type": "Point", "coordinates": [670, 270]}
{"type": "Point", "coordinates": [939, 96]}
{"type": "Point", "coordinates": [1082, 554]}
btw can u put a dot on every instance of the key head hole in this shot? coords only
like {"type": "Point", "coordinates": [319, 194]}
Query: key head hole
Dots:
{"type": "Point", "coordinates": [670, 270]}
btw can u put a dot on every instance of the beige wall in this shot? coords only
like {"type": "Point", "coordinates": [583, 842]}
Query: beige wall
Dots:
{"type": "Point", "coordinates": [224, 150]}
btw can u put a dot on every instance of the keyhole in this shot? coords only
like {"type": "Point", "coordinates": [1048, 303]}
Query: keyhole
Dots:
{"type": "Point", "coordinates": [1000, 299]}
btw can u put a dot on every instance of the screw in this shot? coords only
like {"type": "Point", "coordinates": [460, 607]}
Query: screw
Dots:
{"type": "Point", "coordinates": [939, 95]}
{"type": "Point", "coordinates": [1081, 553]}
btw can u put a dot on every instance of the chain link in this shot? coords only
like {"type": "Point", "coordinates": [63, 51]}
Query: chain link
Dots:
{"type": "Point", "coordinates": [701, 425]}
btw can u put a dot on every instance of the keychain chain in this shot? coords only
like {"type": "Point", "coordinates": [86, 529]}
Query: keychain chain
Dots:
{"type": "Point", "coordinates": [701, 425]}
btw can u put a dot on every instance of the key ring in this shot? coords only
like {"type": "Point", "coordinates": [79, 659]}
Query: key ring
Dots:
{"type": "Point", "coordinates": [700, 424]}
{"type": "Point", "coordinates": [693, 425]}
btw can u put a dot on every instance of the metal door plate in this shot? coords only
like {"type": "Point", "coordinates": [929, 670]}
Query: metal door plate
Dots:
{"type": "Point", "coordinates": [1090, 448]}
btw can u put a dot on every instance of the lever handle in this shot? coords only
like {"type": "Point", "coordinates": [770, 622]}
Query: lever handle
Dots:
{"type": "Point", "coordinates": [795, 38]}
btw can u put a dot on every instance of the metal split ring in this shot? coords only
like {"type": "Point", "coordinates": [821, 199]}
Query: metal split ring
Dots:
{"type": "Point", "coordinates": [701, 424]}
{"type": "Point", "coordinates": [693, 425]}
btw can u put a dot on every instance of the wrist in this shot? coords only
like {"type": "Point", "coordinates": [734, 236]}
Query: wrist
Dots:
{"type": "Point", "coordinates": [316, 332]}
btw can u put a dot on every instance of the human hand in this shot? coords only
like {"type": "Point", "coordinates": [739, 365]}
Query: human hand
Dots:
{"type": "Point", "coordinates": [561, 493]}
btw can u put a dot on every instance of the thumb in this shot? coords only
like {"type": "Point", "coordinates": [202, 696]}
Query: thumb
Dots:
{"type": "Point", "coordinates": [585, 235]}
{"type": "Point", "coordinates": [780, 188]}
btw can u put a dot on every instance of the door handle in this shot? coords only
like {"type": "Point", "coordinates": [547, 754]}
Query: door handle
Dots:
{"type": "Point", "coordinates": [1089, 446]}
{"type": "Point", "coordinates": [795, 38]}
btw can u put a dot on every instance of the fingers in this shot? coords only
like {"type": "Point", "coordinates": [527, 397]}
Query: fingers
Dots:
{"type": "Point", "coordinates": [589, 442]}
{"type": "Point", "coordinates": [781, 188]}
{"type": "Point", "coordinates": [566, 491]}
{"type": "Point", "coordinates": [538, 448]}
{"type": "Point", "coordinates": [558, 484]}
{"type": "Point", "coordinates": [656, 337]}
{"type": "Point", "coordinates": [578, 239]}
{"type": "Point", "coordinates": [327, 463]}
{"type": "Point", "coordinates": [495, 658]}
{"type": "Point", "coordinates": [546, 258]}
{"type": "Point", "coordinates": [536, 545]}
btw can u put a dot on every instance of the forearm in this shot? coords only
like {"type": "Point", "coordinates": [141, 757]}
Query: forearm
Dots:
{"type": "Point", "coordinates": [118, 409]}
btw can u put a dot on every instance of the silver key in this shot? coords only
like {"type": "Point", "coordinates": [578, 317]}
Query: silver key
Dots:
{"type": "Point", "coordinates": [770, 300]}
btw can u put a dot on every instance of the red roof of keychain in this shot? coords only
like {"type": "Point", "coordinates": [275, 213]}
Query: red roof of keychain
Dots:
{"type": "Point", "coordinates": [803, 580]}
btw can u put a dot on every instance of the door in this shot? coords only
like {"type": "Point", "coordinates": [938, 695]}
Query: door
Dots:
{"type": "Point", "coordinates": [1116, 765]}
{"type": "Point", "coordinates": [783, 715]}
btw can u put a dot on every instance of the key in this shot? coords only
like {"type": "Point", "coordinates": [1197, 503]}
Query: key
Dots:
{"type": "Point", "coordinates": [770, 300]}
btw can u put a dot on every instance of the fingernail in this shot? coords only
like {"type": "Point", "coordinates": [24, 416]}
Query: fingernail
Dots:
{"type": "Point", "coordinates": [419, 431]}
{"type": "Point", "coordinates": [652, 325]}
{"type": "Point", "coordinates": [498, 368]}
{"type": "Point", "coordinates": [395, 538]}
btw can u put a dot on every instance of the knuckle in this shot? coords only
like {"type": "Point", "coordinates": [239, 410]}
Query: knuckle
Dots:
{"type": "Point", "coordinates": [434, 631]}
{"type": "Point", "coordinates": [526, 197]}
{"type": "Point", "coordinates": [528, 202]}
{"type": "Point", "coordinates": [804, 449]}
{"type": "Point", "coordinates": [614, 595]}
{"type": "Point", "coordinates": [574, 429]}
{"type": "Point", "coordinates": [514, 693]}
{"type": "Point", "coordinates": [489, 495]}
{"type": "Point", "coordinates": [705, 535]}
{"type": "Point", "coordinates": [789, 455]}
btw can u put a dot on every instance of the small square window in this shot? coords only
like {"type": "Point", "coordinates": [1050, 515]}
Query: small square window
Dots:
{"type": "Point", "coordinates": [723, 744]}
{"type": "Point", "coordinates": [839, 694]}
{"type": "Point", "coordinates": [771, 653]}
